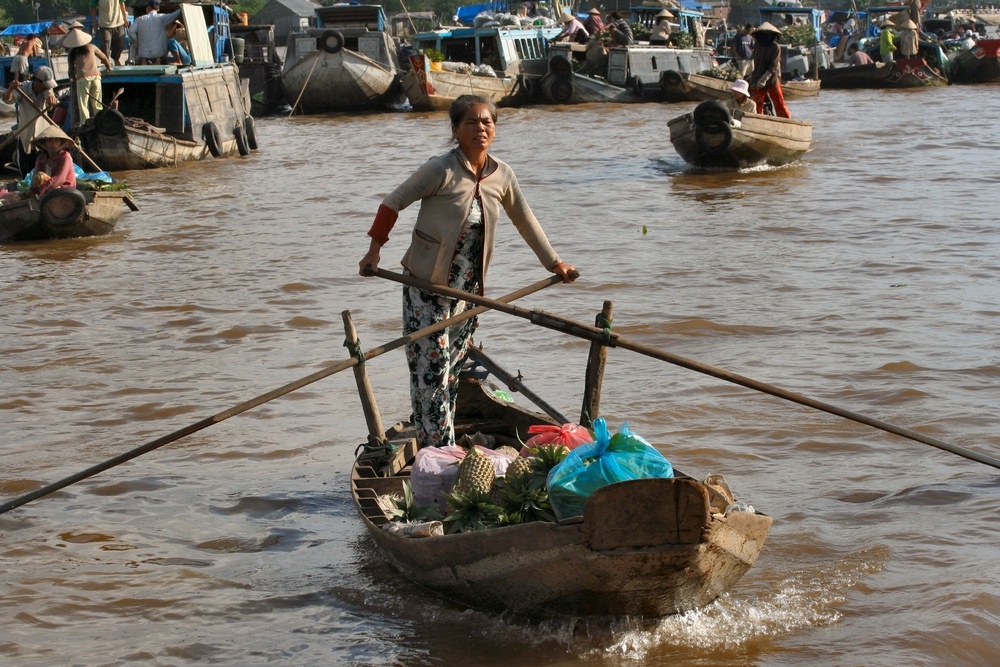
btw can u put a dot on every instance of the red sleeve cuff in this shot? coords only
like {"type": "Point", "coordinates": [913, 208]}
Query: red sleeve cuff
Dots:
{"type": "Point", "coordinates": [384, 221]}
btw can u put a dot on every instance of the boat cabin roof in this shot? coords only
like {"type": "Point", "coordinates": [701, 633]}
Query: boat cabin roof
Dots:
{"type": "Point", "coordinates": [351, 15]}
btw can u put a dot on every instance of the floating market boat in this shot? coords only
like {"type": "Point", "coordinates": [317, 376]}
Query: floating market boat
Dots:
{"type": "Point", "coordinates": [646, 547]}
{"type": "Point", "coordinates": [255, 54]}
{"type": "Point", "coordinates": [713, 137]}
{"type": "Point", "coordinates": [170, 114]}
{"type": "Point", "coordinates": [61, 214]}
{"type": "Point", "coordinates": [980, 64]}
{"type": "Point", "coordinates": [347, 62]}
{"type": "Point", "coordinates": [488, 61]}
{"type": "Point", "coordinates": [713, 88]}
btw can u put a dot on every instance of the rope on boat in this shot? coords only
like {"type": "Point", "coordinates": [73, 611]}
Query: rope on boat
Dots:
{"type": "Point", "coordinates": [355, 350]}
{"type": "Point", "coordinates": [604, 323]}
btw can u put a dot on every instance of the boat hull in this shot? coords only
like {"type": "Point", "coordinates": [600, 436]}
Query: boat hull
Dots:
{"type": "Point", "coordinates": [649, 547]}
{"type": "Point", "coordinates": [712, 138]}
{"type": "Point", "coordinates": [169, 116]}
{"type": "Point", "coordinates": [448, 86]}
{"type": "Point", "coordinates": [711, 88]}
{"type": "Point", "coordinates": [980, 64]}
{"type": "Point", "coordinates": [25, 220]}
{"type": "Point", "coordinates": [902, 73]}
{"type": "Point", "coordinates": [342, 81]}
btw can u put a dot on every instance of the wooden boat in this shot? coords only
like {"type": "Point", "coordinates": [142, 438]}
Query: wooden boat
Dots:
{"type": "Point", "coordinates": [980, 64]}
{"type": "Point", "coordinates": [712, 88]}
{"type": "Point", "coordinates": [643, 548]}
{"type": "Point", "coordinates": [562, 85]}
{"type": "Point", "coordinates": [348, 62]}
{"type": "Point", "coordinates": [713, 137]}
{"type": "Point", "coordinates": [488, 61]}
{"type": "Point", "coordinates": [169, 114]}
{"type": "Point", "coordinates": [259, 62]}
{"type": "Point", "coordinates": [60, 214]}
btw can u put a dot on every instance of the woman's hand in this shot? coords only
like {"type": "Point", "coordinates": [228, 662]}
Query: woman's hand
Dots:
{"type": "Point", "coordinates": [568, 273]}
{"type": "Point", "coordinates": [369, 263]}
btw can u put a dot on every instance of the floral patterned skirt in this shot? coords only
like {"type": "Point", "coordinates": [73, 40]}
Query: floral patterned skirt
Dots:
{"type": "Point", "coordinates": [435, 361]}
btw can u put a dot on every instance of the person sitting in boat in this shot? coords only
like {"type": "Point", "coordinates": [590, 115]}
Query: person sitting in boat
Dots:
{"type": "Point", "coordinates": [573, 30]}
{"type": "Point", "coordinates": [176, 53]}
{"type": "Point", "coordinates": [594, 23]}
{"type": "Point", "coordinates": [765, 81]}
{"type": "Point", "coordinates": [969, 42]}
{"type": "Point", "coordinates": [908, 41]}
{"type": "Point", "coordinates": [54, 167]}
{"type": "Point", "coordinates": [149, 36]}
{"type": "Point", "coordinates": [659, 35]}
{"type": "Point", "coordinates": [461, 194]}
{"type": "Point", "coordinates": [621, 31]}
{"type": "Point", "coordinates": [740, 100]}
{"type": "Point", "coordinates": [858, 57]}
{"type": "Point", "coordinates": [38, 92]}
{"type": "Point", "coordinates": [83, 72]}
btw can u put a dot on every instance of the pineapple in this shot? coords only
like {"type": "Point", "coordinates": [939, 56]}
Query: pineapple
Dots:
{"type": "Point", "coordinates": [471, 510]}
{"type": "Point", "coordinates": [508, 450]}
{"type": "Point", "coordinates": [475, 473]}
{"type": "Point", "coordinates": [524, 499]}
{"type": "Point", "coordinates": [546, 457]}
{"type": "Point", "coordinates": [519, 466]}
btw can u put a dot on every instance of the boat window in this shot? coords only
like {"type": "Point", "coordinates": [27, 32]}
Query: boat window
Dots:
{"type": "Point", "coordinates": [460, 51]}
{"type": "Point", "coordinates": [489, 53]}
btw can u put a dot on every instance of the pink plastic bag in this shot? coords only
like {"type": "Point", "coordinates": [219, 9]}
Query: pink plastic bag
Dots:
{"type": "Point", "coordinates": [568, 435]}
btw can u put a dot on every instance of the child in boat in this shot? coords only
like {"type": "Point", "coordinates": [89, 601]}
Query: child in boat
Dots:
{"type": "Point", "coordinates": [176, 53]}
{"type": "Point", "coordinates": [54, 167]}
{"type": "Point", "coordinates": [461, 194]}
{"type": "Point", "coordinates": [741, 99]}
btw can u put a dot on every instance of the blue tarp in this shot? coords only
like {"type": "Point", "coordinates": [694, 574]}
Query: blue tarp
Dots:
{"type": "Point", "coordinates": [25, 28]}
{"type": "Point", "coordinates": [467, 14]}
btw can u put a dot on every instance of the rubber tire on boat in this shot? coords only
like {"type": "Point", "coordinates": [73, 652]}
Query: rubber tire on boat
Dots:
{"type": "Point", "coordinates": [637, 87]}
{"type": "Point", "coordinates": [331, 41]}
{"type": "Point", "coordinates": [670, 81]}
{"type": "Point", "coordinates": [210, 133]}
{"type": "Point", "coordinates": [560, 66]}
{"type": "Point", "coordinates": [109, 122]}
{"type": "Point", "coordinates": [241, 141]}
{"type": "Point", "coordinates": [62, 207]}
{"type": "Point", "coordinates": [712, 110]}
{"type": "Point", "coordinates": [561, 90]}
{"type": "Point", "coordinates": [251, 129]}
{"type": "Point", "coordinates": [712, 119]}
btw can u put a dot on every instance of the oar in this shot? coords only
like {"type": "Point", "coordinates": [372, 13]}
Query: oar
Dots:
{"type": "Point", "coordinates": [90, 163]}
{"type": "Point", "coordinates": [514, 382]}
{"type": "Point", "coordinates": [611, 339]}
{"type": "Point", "coordinates": [271, 395]}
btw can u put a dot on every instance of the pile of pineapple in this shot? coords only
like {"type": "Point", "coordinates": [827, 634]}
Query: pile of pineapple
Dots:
{"type": "Point", "coordinates": [480, 500]}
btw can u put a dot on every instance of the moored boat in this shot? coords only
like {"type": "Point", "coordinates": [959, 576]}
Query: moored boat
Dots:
{"type": "Point", "coordinates": [488, 61]}
{"type": "Point", "coordinates": [59, 214]}
{"type": "Point", "coordinates": [713, 137]}
{"type": "Point", "coordinates": [347, 62]}
{"type": "Point", "coordinates": [164, 115]}
{"type": "Point", "coordinates": [642, 548]}
{"type": "Point", "coordinates": [713, 88]}
{"type": "Point", "coordinates": [980, 64]}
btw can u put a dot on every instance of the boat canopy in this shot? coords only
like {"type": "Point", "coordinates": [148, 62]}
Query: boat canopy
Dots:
{"type": "Point", "coordinates": [351, 15]}
{"type": "Point", "coordinates": [467, 15]}
{"type": "Point", "coordinates": [49, 27]}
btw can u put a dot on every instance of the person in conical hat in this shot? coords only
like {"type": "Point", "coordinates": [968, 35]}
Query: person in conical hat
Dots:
{"type": "Point", "coordinates": [39, 95]}
{"type": "Point", "coordinates": [594, 23]}
{"type": "Point", "coordinates": [765, 78]}
{"type": "Point", "coordinates": [659, 34]}
{"type": "Point", "coordinates": [54, 167]}
{"type": "Point", "coordinates": [909, 42]}
{"type": "Point", "coordinates": [573, 30]}
{"type": "Point", "coordinates": [83, 73]}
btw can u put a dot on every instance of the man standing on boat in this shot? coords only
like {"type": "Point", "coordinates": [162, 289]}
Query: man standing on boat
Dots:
{"type": "Point", "coordinates": [109, 19]}
{"type": "Point", "coordinates": [39, 90]}
{"type": "Point", "coordinates": [765, 82]}
{"type": "Point", "coordinates": [149, 34]}
{"type": "Point", "coordinates": [743, 51]}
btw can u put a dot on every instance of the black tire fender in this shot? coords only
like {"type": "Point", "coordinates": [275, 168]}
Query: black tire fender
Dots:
{"type": "Point", "coordinates": [62, 207]}
{"type": "Point", "coordinates": [213, 140]}
{"type": "Point", "coordinates": [241, 140]}
{"type": "Point", "coordinates": [560, 66]}
{"type": "Point", "coordinates": [331, 41]}
{"type": "Point", "coordinates": [637, 87]}
{"type": "Point", "coordinates": [251, 130]}
{"type": "Point", "coordinates": [561, 90]}
{"type": "Point", "coordinates": [712, 110]}
{"type": "Point", "coordinates": [671, 80]}
{"type": "Point", "coordinates": [109, 122]}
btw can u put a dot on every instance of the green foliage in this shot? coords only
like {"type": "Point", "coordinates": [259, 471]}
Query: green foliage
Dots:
{"type": "Point", "coordinates": [404, 509]}
{"type": "Point", "coordinates": [434, 55]}
{"type": "Point", "coordinates": [249, 7]}
{"type": "Point", "coordinates": [640, 32]}
{"type": "Point", "coordinates": [545, 458]}
{"type": "Point", "coordinates": [682, 40]}
{"type": "Point", "coordinates": [471, 511]}
{"type": "Point", "coordinates": [724, 73]}
{"type": "Point", "coordinates": [525, 499]}
{"type": "Point", "coordinates": [798, 35]}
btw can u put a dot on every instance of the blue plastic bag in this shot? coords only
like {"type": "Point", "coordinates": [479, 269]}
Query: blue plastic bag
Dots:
{"type": "Point", "coordinates": [609, 459]}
